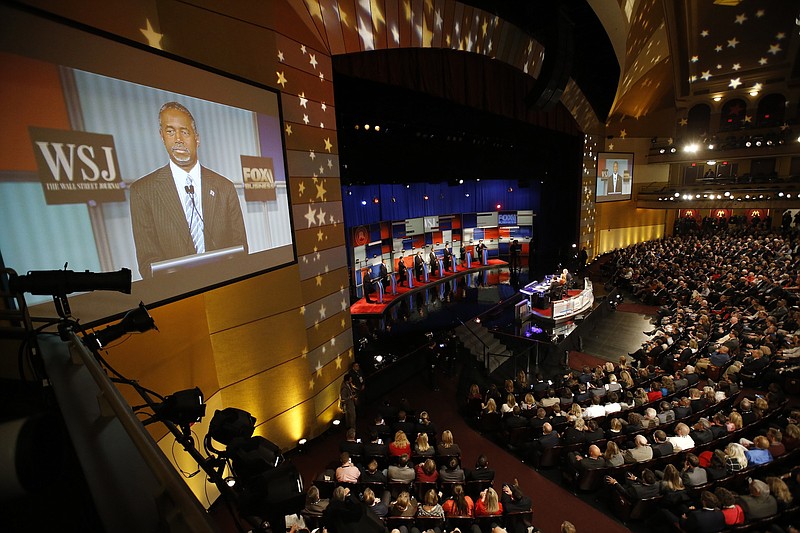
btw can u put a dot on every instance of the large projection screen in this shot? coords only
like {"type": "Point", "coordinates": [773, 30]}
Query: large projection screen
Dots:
{"type": "Point", "coordinates": [93, 175]}
{"type": "Point", "coordinates": [614, 176]}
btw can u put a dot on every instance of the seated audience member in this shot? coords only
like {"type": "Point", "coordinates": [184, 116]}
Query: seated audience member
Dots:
{"type": "Point", "coordinates": [693, 474]}
{"type": "Point", "coordinates": [481, 472]}
{"type": "Point", "coordinates": [641, 451]}
{"type": "Point", "coordinates": [558, 417]}
{"type": "Point", "coordinates": [375, 447]}
{"type": "Point", "coordinates": [371, 474]}
{"type": "Point", "coordinates": [593, 432]}
{"type": "Point", "coordinates": [548, 439]}
{"type": "Point", "coordinates": [509, 404]}
{"type": "Point", "coordinates": [634, 424]}
{"type": "Point", "coordinates": [682, 409]}
{"type": "Point", "coordinates": [776, 447]}
{"type": "Point", "coordinates": [528, 405]}
{"type": "Point", "coordinates": [650, 418]}
{"type": "Point", "coordinates": [612, 455]}
{"type": "Point", "coordinates": [447, 446]}
{"type": "Point", "coordinates": [488, 504]}
{"type": "Point", "coordinates": [681, 441]}
{"type": "Point", "coordinates": [576, 433]}
{"type": "Point", "coordinates": [779, 489]}
{"type": "Point", "coordinates": [594, 410]}
{"type": "Point", "coordinates": [490, 408]}
{"type": "Point", "coordinates": [734, 515]}
{"type": "Point", "coordinates": [400, 445]}
{"type": "Point", "coordinates": [701, 432]}
{"type": "Point", "coordinates": [422, 447]}
{"type": "Point", "coordinates": [404, 505]}
{"type": "Point", "coordinates": [735, 421]}
{"type": "Point", "coordinates": [697, 400]}
{"type": "Point", "coordinates": [708, 518]}
{"type": "Point", "coordinates": [759, 454]}
{"type": "Point", "coordinates": [791, 436]}
{"type": "Point", "coordinates": [514, 500]}
{"type": "Point", "coordinates": [315, 504]}
{"type": "Point", "coordinates": [746, 410]}
{"type": "Point", "coordinates": [350, 445]}
{"type": "Point", "coordinates": [379, 506]}
{"type": "Point", "coordinates": [719, 426]}
{"type": "Point", "coordinates": [735, 458]}
{"type": "Point", "coordinates": [637, 488]}
{"type": "Point", "coordinates": [614, 428]}
{"type": "Point", "coordinates": [538, 421]}
{"type": "Point", "coordinates": [430, 507]}
{"type": "Point", "coordinates": [514, 419]}
{"type": "Point", "coordinates": [594, 459]}
{"type": "Point", "coordinates": [674, 491]}
{"type": "Point", "coordinates": [379, 426]}
{"type": "Point", "coordinates": [568, 527]}
{"type": "Point", "coordinates": [426, 426]}
{"type": "Point", "coordinates": [661, 446]}
{"type": "Point", "coordinates": [459, 504]}
{"type": "Point", "coordinates": [404, 424]}
{"type": "Point", "coordinates": [426, 472]}
{"type": "Point", "coordinates": [402, 471]}
{"type": "Point", "coordinates": [452, 472]}
{"type": "Point", "coordinates": [759, 503]}
{"type": "Point", "coordinates": [347, 472]}
{"type": "Point", "coordinates": [666, 414]}
{"type": "Point", "coordinates": [716, 468]}
{"type": "Point", "coordinates": [550, 399]}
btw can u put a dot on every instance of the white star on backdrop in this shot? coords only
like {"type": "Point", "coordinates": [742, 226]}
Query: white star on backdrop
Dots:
{"type": "Point", "coordinates": [718, 48]}
{"type": "Point", "coordinates": [704, 33]}
{"type": "Point", "coordinates": [740, 19]}
{"type": "Point", "coordinates": [735, 83]}
{"type": "Point", "coordinates": [774, 49]}
{"type": "Point", "coordinates": [706, 75]}
{"type": "Point", "coordinates": [736, 66]}
{"type": "Point", "coordinates": [313, 61]}
{"type": "Point", "coordinates": [280, 56]}
{"type": "Point", "coordinates": [762, 61]}
{"type": "Point", "coordinates": [303, 100]}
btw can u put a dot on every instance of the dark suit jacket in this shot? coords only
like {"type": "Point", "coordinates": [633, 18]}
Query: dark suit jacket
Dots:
{"type": "Point", "coordinates": [704, 521]}
{"type": "Point", "coordinates": [160, 228]}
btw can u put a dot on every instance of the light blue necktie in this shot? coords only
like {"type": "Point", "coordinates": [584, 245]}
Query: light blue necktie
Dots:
{"type": "Point", "coordinates": [193, 217]}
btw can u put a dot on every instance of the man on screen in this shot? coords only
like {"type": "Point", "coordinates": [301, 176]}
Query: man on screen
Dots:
{"type": "Point", "coordinates": [183, 208]}
{"type": "Point", "coordinates": [615, 181]}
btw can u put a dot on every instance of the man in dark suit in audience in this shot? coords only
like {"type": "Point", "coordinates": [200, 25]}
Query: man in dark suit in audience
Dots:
{"type": "Point", "coordinates": [380, 427]}
{"type": "Point", "coordinates": [637, 488]}
{"type": "Point", "coordinates": [707, 519]}
{"type": "Point", "coordinates": [350, 445]}
{"type": "Point", "coordinates": [683, 409]}
{"type": "Point", "coordinates": [375, 448]}
{"type": "Point", "coordinates": [481, 472]}
{"type": "Point", "coordinates": [661, 446]}
{"type": "Point", "coordinates": [759, 503]}
{"type": "Point", "coordinates": [548, 439]}
{"type": "Point", "coordinates": [693, 474]}
{"type": "Point", "coordinates": [594, 459]}
{"type": "Point", "coordinates": [514, 419]}
{"type": "Point", "coordinates": [405, 425]}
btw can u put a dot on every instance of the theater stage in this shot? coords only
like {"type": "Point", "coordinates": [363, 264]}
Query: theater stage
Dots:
{"type": "Point", "coordinates": [363, 309]}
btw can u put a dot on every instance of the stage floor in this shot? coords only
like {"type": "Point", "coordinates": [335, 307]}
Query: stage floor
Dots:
{"type": "Point", "coordinates": [364, 309]}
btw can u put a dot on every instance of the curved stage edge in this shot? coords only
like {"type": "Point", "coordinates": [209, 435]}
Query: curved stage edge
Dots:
{"type": "Point", "coordinates": [363, 309]}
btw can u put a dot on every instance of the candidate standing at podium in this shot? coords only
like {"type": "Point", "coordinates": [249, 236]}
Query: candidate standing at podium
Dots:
{"type": "Point", "coordinates": [418, 266]}
{"type": "Point", "coordinates": [182, 208]}
{"type": "Point", "coordinates": [615, 181]}
{"type": "Point", "coordinates": [401, 271]}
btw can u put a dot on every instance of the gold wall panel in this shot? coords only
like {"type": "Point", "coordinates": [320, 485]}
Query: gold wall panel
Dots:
{"type": "Point", "coordinates": [325, 284]}
{"type": "Point", "coordinates": [254, 298]}
{"type": "Point", "coordinates": [323, 331]}
{"type": "Point", "coordinates": [612, 239]}
{"type": "Point", "coordinates": [243, 351]}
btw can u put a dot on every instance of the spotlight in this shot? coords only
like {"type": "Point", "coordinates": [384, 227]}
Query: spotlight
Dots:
{"type": "Point", "coordinates": [377, 128]}
{"type": "Point", "coordinates": [727, 193]}
{"type": "Point", "coordinates": [229, 424]}
{"type": "Point", "coordinates": [677, 194]}
{"type": "Point", "coordinates": [135, 320]}
{"type": "Point", "coordinates": [466, 194]}
{"type": "Point", "coordinates": [511, 189]}
{"type": "Point", "coordinates": [673, 150]}
{"type": "Point", "coordinates": [691, 148]}
{"type": "Point", "coordinates": [375, 200]}
{"type": "Point", "coordinates": [748, 144]}
{"type": "Point", "coordinates": [303, 441]}
{"type": "Point", "coordinates": [788, 195]}
{"type": "Point", "coordinates": [711, 146]}
{"type": "Point", "coordinates": [460, 182]}
{"type": "Point", "coordinates": [478, 320]}
{"type": "Point", "coordinates": [780, 194]}
{"type": "Point", "coordinates": [426, 198]}
{"type": "Point", "coordinates": [662, 150]}
{"type": "Point", "coordinates": [717, 98]}
{"type": "Point", "coordinates": [336, 422]}
{"type": "Point", "coordinates": [711, 163]}
{"type": "Point", "coordinates": [183, 408]}
{"type": "Point", "coordinates": [363, 202]}
{"type": "Point", "coordinates": [366, 127]}
{"type": "Point", "coordinates": [499, 207]}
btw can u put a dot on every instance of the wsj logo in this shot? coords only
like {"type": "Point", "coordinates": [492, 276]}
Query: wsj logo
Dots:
{"type": "Point", "coordinates": [76, 166]}
{"type": "Point", "coordinates": [60, 160]}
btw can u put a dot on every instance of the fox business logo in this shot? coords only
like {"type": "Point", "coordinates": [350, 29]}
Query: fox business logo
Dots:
{"type": "Point", "coordinates": [77, 167]}
{"type": "Point", "coordinates": [258, 175]}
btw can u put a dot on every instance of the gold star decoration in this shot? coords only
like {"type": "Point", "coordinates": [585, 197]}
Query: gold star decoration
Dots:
{"type": "Point", "coordinates": [320, 236]}
{"type": "Point", "coordinates": [304, 352]}
{"type": "Point", "coordinates": [328, 144]}
{"type": "Point", "coordinates": [310, 216]}
{"type": "Point", "coordinates": [312, 155]}
{"type": "Point", "coordinates": [322, 312]}
{"type": "Point", "coordinates": [611, 146]}
{"type": "Point", "coordinates": [338, 362]}
{"type": "Point", "coordinates": [281, 79]}
{"type": "Point", "coordinates": [313, 61]}
{"type": "Point", "coordinates": [303, 49]}
{"type": "Point", "coordinates": [321, 191]}
{"type": "Point", "coordinates": [683, 122]}
{"type": "Point", "coordinates": [302, 309]}
{"type": "Point", "coordinates": [333, 341]}
{"type": "Point", "coordinates": [321, 76]}
{"type": "Point", "coordinates": [311, 384]}
{"type": "Point", "coordinates": [319, 369]}
{"type": "Point", "coordinates": [301, 188]}
{"type": "Point", "coordinates": [152, 36]}
{"type": "Point", "coordinates": [748, 119]}
{"type": "Point", "coordinates": [623, 134]}
{"type": "Point", "coordinates": [318, 279]}
{"type": "Point", "coordinates": [342, 323]}
{"type": "Point", "coordinates": [280, 56]}
{"type": "Point", "coordinates": [288, 129]}
{"type": "Point", "coordinates": [305, 120]}
{"type": "Point", "coordinates": [303, 100]}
